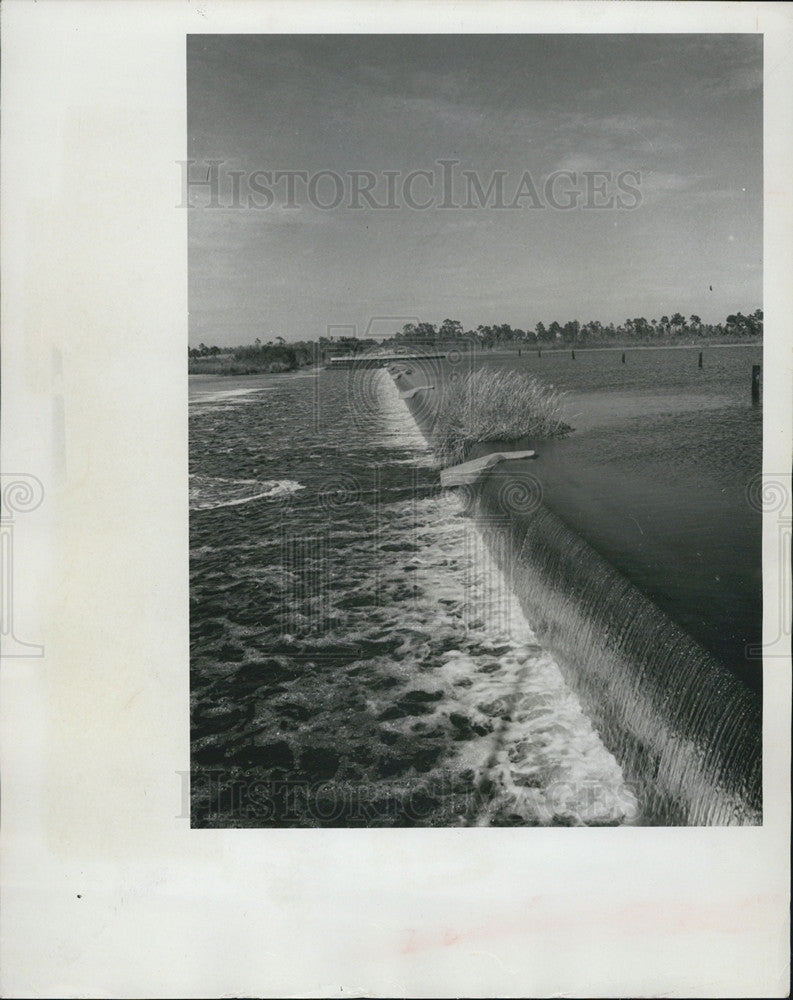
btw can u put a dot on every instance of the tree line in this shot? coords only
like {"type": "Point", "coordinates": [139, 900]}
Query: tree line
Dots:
{"type": "Point", "coordinates": [592, 332]}
{"type": "Point", "coordinates": [274, 356]}
{"type": "Point", "coordinates": [277, 355]}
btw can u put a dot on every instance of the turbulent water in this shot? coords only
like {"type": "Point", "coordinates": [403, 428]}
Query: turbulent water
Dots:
{"type": "Point", "coordinates": [357, 657]}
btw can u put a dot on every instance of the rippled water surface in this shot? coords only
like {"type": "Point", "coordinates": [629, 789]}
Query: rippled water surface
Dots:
{"type": "Point", "coordinates": [356, 656]}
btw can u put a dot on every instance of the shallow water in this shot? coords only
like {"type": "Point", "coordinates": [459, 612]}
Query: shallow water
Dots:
{"type": "Point", "coordinates": [357, 658]}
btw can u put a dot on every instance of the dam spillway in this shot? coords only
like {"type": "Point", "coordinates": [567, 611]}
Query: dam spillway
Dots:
{"type": "Point", "coordinates": [639, 570]}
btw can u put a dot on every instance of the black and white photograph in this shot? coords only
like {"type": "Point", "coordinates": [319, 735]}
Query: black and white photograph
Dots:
{"type": "Point", "coordinates": [475, 366]}
{"type": "Point", "coordinates": [395, 498]}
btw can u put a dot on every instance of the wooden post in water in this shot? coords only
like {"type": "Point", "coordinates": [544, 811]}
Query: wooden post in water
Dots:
{"type": "Point", "coordinates": [623, 357]}
{"type": "Point", "coordinates": [539, 354]}
{"type": "Point", "coordinates": [700, 359]}
{"type": "Point", "coordinates": [755, 384]}
{"type": "Point", "coordinates": [573, 355]}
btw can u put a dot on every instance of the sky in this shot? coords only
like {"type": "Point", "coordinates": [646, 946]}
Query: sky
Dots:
{"type": "Point", "coordinates": [660, 137]}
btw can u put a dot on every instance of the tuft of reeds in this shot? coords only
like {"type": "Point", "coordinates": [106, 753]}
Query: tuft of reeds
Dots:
{"type": "Point", "coordinates": [493, 405]}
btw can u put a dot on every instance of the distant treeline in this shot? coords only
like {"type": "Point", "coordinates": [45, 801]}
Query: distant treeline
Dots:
{"type": "Point", "coordinates": [278, 356]}
{"type": "Point", "coordinates": [250, 359]}
{"type": "Point", "coordinates": [592, 332]}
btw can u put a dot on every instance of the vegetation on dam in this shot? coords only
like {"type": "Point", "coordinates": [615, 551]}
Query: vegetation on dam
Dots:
{"type": "Point", "coordinates": [494, 405]}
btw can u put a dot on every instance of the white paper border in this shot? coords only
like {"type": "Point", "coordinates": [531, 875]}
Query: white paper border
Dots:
{"type": "Point", "coordinates": [105, 891]}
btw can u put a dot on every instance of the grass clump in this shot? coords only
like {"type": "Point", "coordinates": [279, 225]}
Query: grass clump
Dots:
{"type": "Point", "coordinates": [493, 405]}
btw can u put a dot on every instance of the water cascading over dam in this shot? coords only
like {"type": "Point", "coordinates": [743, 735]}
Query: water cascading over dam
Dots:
{"type": "Point", "coordinates": [686, 729]}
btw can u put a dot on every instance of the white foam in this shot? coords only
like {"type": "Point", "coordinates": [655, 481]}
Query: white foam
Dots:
{"type": "Point", "coordinates": [541, 757]}
{"type": "Point", "coordinates": [399, 427]}
{"type": "Point", "coordinates": [226, 395]}
{"type": "Point", "coordinates": [209, 492]}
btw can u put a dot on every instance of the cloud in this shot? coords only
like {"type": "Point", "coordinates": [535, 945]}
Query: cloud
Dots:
{"type": "Point", "coordinates": [740, 79]}
{"type": "Point", "coordinates": [229, 230]}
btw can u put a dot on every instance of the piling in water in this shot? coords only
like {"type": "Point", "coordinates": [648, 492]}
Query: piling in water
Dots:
{"type": "Point", "coordinates": [700, 359]}
{"type": "Point", "coordinates": [623, 357]}
{"type": "Point", "coordinates": [573, 355]}
{"type": "Point", "coordinates": [755, 383]}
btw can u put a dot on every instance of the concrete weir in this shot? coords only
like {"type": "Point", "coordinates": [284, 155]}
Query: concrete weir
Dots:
{"type": "Point", "coordinates": [345, 361]}
{"type": "Point", "coordinates": [686, 730]}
